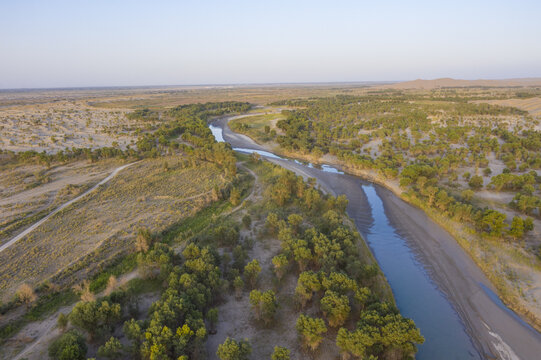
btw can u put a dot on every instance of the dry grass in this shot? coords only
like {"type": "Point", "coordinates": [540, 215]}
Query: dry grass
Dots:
{"type": "Point", "coordinates": [29, 191]}
{"type": "Point", "coordinates": [532, 105]}
{"type": "Point", "coordinates": [58, 125]}
{"type": "Point", "coordinates": [254, 94]}
{"type": "Point", "coordinates": [104, 223]}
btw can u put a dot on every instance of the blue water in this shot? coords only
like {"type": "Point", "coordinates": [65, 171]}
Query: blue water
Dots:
{"type": "Point", "coordinates": [217, 132]}
{"type": "Point", "coordinates": [492, 295]}
{"type": "Point", "coordinates": [218, 135]}
{"type": "Point", "coordinates": [416, 295]}
{"type": "Point", "coordinates": [260, 152]}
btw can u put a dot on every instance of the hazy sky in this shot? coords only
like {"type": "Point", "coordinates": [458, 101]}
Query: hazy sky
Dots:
{"type": "Point", "coordinates": [101, 43]}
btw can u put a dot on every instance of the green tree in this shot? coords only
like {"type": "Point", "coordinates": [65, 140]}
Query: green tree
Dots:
{"type": "Point", "coordinates": [69, 346]}
{"type": "Point", "coordinates": [528, 224]}
{"type": "Point", "coordinates": [335, 307]}
{"type": "Point", "coordinates": [281, 353]}
{"type": "Point", "coordinates": [311, 331]}
{"type": "Point", "coordinates": [96, 318]}
{"type": "Point", "coordinates": [307, 284]}
{"type": "Point", "coordinates": [134, 331]}
{"type": "Point", "coordinates": [302, 253]}
{"type": "Point", "coordinates": [234, 197]}
{"type": "Point", "coordinates": [272, 223]}
{"type": "Point", "coordinates": [264, 304]}
{"type": "Point", "coordinates": [212, 317]}
{"type": "Point", "coordinates": [354, 343]}
{"type": "Point", "coordinates": [516, 231]}
{"type": "Point", "coordinates": [238, 284]}
{"type": "Point", "coordinates": [362, 295]}
{"type": "Point", "coordinates": [251, 272]}
{"type": "Point", "coordinates": [295, 220]}
{"type": "Point", "coordinates": [112, 349]}
{"type": "Point", "coordinates": [467, 195]}
{"type": "Point", "coordinates": [476, 182]}
{"type": "Point", "coordinates": [280, 263]}
{"type": "Point", "coordinates": [247, 221]}
{"type": "Point", "coordinates": [62, 322]}
{"type": "Point", "coordinates": [493, 222]}
{"type": "Point", "coordinates": [232, 349]}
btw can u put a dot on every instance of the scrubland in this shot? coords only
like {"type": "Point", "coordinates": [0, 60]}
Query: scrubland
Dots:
{"type": "Point", "coordinates": [472, 166]}
{"type": "Point", "coordinates": [58, 125]}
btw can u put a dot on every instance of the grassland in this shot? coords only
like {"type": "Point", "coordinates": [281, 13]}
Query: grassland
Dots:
{"type": "Point", "coordinates": [257, 126]}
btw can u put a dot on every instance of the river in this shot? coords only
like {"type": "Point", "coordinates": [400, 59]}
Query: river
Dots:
{"type": "Point", "coordinates": [433, 281]}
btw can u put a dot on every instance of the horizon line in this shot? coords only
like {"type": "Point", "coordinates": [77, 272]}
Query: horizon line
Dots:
{"type": "Point", "coordinates": [240, 84]}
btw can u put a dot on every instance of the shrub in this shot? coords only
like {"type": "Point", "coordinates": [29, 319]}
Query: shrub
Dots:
{"type": "Point", "coordinates": [25, 294]}
{"type": "Point", "coordinates": [247, 221]}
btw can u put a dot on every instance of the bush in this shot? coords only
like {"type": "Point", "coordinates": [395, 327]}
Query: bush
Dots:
{"type": "Point", "coordinates": [247, 221]}
{"type": "Point", "coordinates": [25, 294]}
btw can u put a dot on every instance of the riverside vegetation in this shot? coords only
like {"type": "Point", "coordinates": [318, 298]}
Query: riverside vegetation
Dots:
{"type": "Point", "coordinates": [474, 167]}
{"type": "Point", "coordinates": [113, 214]}
{"type": "Point", "coordinates": [197, 263]}
{"type": "Point", "coordinates": [340, 295]}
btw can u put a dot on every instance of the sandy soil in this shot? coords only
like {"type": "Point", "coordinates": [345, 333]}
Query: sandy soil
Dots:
{"type": "Point", "coordinates": [495, 331]}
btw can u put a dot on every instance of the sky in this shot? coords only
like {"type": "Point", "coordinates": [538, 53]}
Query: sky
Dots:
{"type": "Point", "coordinates": [78, 43]}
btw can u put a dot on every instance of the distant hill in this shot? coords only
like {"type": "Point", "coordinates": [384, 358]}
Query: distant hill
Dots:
{"type": "Point", "coordinates": [449, 83]}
